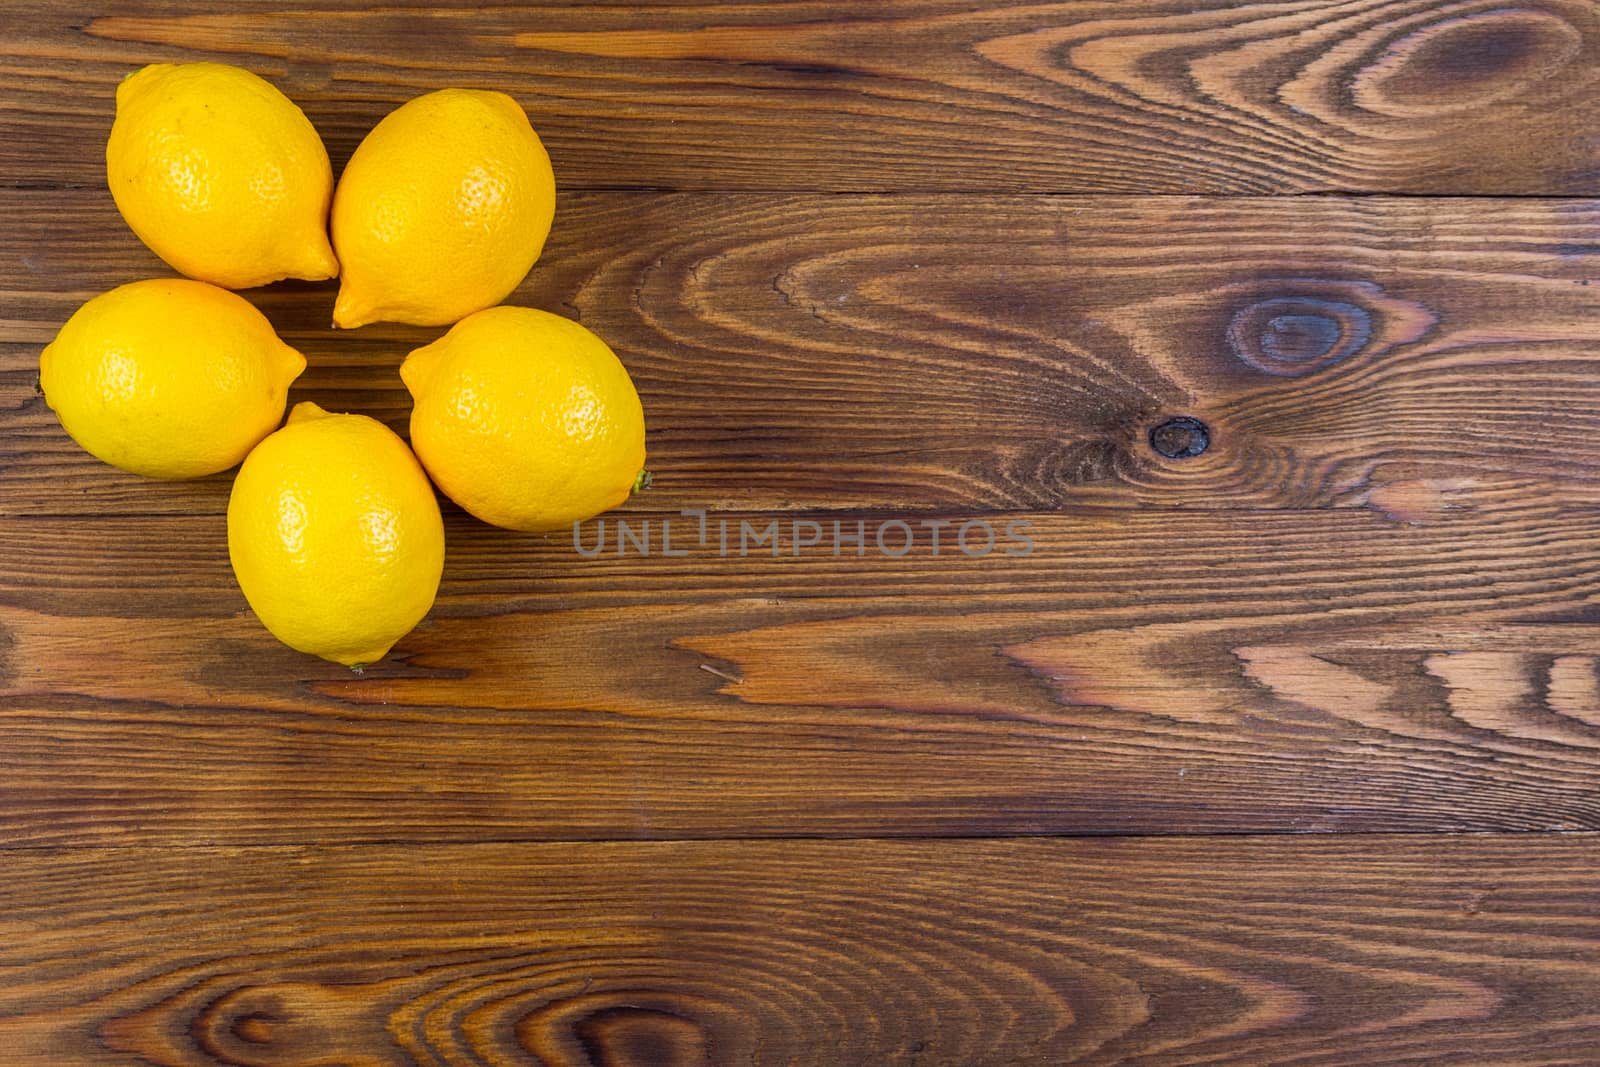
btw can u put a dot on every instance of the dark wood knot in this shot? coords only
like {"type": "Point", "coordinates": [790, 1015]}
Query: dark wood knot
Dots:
{"type": "Point", "coordinates": [642, 1037]}
{"type": "Point", "coordinates": [641, 1028]}
{"type": "Point", "coordinates": [273, 1025]}
{"type": "Point", "coordinates": [1295, 335]}
{"type": "Point", "coordinates": [1466, 61]}
{"type": "Point", "coordinates": [1180, 437]}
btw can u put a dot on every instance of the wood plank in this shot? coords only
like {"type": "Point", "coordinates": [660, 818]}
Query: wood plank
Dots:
{"type": "Point", "coordinates": [1138, 673]}
{"type": "Point", "coordinates": [1367, 611]}
{"type": "Point", "coordinates": [1083, 95]}
{"type": "Point", "coordinates": [1400, 950]}
{"type": "Point", "coordinates": [976, 352]}
{"type": "Point", "coordinates": [1112, 565]}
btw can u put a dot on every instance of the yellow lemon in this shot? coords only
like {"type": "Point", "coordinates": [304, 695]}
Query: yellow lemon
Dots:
{"type": "Point", "coordinates": [441, 211]}
{"type": "Point", "coordinates": [335, 536]}
{"type": "Point", "coordinates": [525, 419]}
{"type": "Point", "coordinates": [221, 175]}
{"type": "Point", "coordinates": [169, 378]}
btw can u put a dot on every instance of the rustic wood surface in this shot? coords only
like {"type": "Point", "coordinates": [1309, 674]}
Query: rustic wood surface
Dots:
{"type": "Point", "coordinates": [1260, 951]}
{"type": "Point", "coordinates": [1220, 96]}
{"type": "Point", "coordinates": [1287, 752]}
{"type": "Point", "coordinates": [977, 352]}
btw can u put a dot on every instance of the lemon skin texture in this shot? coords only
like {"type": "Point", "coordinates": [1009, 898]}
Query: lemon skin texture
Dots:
{"type": "Point", "coordinates": [221, 175]}
{"type": "Point", "coordinates": [169, 378]}
{"type": "Point", "coordinates": [443, 208]}
{"type": "Point", "coordinates": [525, 419]}
{"type": "Point", "coordinates": [335, 536]}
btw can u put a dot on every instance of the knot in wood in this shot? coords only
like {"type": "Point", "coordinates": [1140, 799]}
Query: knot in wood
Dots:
{"type": "Point", "coordinates": [1180, 437]}
{"type": "Point", "coordinates": [1294, 335]}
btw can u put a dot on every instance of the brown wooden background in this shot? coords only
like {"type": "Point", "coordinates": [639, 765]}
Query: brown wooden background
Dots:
{"type": "Point", "coordinates": [1287, 753]}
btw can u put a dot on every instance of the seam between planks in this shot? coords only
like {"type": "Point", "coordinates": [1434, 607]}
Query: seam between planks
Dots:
{"type": "Point", "coordinates": [1242, 836]}
{"type": "Point", "coordinates": [1111, 194]}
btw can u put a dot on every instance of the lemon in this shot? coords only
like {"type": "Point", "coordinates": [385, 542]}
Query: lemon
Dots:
{"type": "Point", "coordinates": [441, 211]}
{"type": "Point", "coordinates": [221, 175]}
{"type": "Point", "coordinates": [335, 536]}
{"type": "Point", "coordinates": [525, 419]}
{"type": "Point", "coordinates": [169, 378]}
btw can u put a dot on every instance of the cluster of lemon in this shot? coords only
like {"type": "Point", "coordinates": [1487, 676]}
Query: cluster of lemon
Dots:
{"type": "Point", "coordinates": [525, 419]}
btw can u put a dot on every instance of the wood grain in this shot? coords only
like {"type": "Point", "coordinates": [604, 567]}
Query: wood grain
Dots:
{"type": "Point", "coordinates": [1241, 951]}
{"type": "Point", "coordinates": [792, 805]}
{"type": "Point", "coordinates": [1138, 673]}
{"type": "Point", "coordinates": [1468, 96]}
{"type": "Point", "coordinates": [976, 352]}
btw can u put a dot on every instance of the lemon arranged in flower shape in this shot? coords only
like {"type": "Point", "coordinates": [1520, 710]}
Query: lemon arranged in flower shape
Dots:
{"type": "Point", "coordinates": [441, 211]}
{"type": "Point", "coordinates": [221, 175]}
{"type": "Point", "coordinates": [525, 419]}
{"type": "Point", "coordinates": [169, 378]}
{"type": "Point", "coordinates": [335, 536]}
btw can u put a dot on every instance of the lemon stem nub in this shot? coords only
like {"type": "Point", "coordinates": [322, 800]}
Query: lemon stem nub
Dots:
{"type": "Point", "coordinates": [641, 483]}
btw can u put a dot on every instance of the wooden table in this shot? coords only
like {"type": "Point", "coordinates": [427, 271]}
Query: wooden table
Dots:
{"type": "Point", "coordinates": [1286, 751]}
